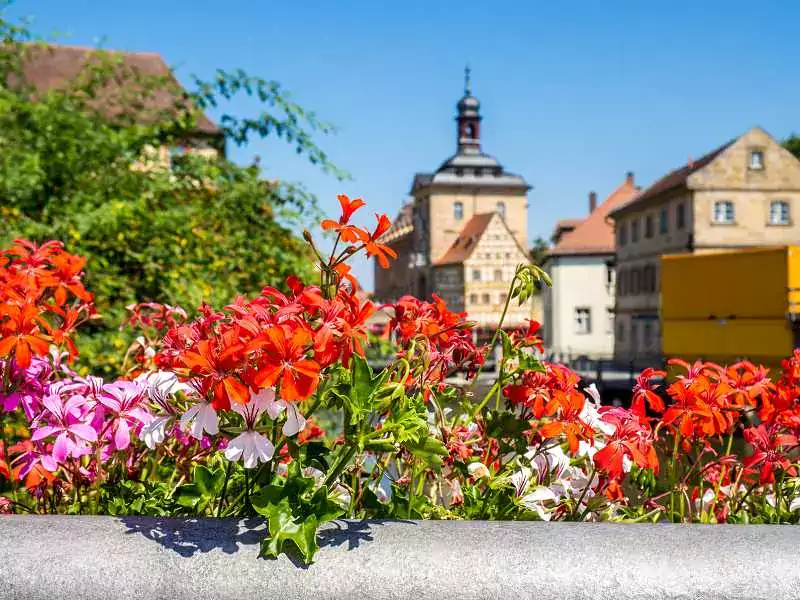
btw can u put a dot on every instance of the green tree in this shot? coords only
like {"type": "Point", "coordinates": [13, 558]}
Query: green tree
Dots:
{"type": "Point", "coordinates": [792, 144]}
{"type": "Point", "coordinates": [76, 164]}
{"type": "Point", "coordinates": [539, 251]}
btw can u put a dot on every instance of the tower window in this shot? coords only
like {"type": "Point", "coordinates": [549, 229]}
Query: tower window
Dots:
{"type": "Point", "coordinates": [469, 130]}
{"type": "Point", "coordinates": [501, 209]}
{"type": "Point", "coordinates": [458, 210]}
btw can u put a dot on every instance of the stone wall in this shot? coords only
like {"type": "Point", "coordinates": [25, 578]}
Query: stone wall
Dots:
{"type": "Point", "coordinates": [107, 558]}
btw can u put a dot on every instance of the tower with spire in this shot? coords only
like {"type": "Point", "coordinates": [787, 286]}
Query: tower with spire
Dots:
{"type": "Point", "coordinates": [465, 226]}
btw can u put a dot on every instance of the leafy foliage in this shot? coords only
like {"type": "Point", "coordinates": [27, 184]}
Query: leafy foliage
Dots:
{"type": "Point", "coordinates": [93, 169]}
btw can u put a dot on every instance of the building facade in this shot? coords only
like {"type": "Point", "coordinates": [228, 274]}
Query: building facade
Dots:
{"type": "Point", "coordinates": [743, 194]}
{"type": "Point", "coordinates": [467, 232]}
{"type": "Point", "coordinates": [579, 308]}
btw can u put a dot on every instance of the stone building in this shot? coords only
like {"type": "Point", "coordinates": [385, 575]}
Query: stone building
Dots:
{"type": "Point", "coordinates": [467, 231]}
{"type": "Point", "coordinates": [579, 308]}
{"type": "Point", "coordinates": [743, 194]}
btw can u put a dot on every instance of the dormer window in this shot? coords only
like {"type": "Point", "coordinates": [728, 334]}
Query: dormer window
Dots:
{"type": "Point", "coordinates": [756, 160]}
{"type": "Point", "coordinates": [458, 210]}
{"type": "Point", "coordinates": [501, 209]}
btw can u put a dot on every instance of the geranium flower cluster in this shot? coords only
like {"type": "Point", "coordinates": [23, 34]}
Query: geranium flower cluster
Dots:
{"type": "Point", "coordinates": [214, 415]}
{"type": "Point", "coordinates": [42, 300]}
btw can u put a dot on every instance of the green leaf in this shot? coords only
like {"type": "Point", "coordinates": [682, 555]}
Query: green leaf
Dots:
{"type": "Point", "coordinates": [209, 481]}
{"type": "Point", "coordinates": [189, 495]}
{"type": "Point", "coordinates": [284, 528]}
{"type": "Point", "coordinates": [429, 449]}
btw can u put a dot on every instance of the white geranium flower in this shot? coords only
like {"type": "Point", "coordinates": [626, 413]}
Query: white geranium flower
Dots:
{"type": "Point", "coordinates": [591, 416]}
{"type": "Point", "coordinates": [520, 480]}
{"type": "Point", "coordinates": [553, 460]}
{"type": "Point", "coordinates": [250, 446]}
{"type": "Point", "coordinates": [795, 504]}
{"type": "Point", "coordinates": [536, 499]}
{"type": "Point", "coordinates": [478, 470]}
{"type": "Point", "coordinates": [295, 422]}
{"type": "Point", "coordinates": [200, 418]}
{"type": "Point", "coordinates": [155, 432]}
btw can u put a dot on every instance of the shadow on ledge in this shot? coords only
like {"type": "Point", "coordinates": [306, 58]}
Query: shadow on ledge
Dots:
{"type": "Point", "coordinates": [188, 536]}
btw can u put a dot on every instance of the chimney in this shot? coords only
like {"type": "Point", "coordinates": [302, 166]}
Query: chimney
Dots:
{"type": "Point", "coordinates": [629, 177]}
{"type": "Point", "coordinates": [592, 201]}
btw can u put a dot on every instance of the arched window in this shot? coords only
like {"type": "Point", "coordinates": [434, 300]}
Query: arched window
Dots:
{"type": "Point", "coordinates": [458, 210]}
{"type": "Point", "coordinates": [724, 212]}
{"type": "Point", "coordinates": [501, 208]}
{"type": "Point", "coordinates": [469, 130]}
{"type": "Point", "coordinates": [779, 212]}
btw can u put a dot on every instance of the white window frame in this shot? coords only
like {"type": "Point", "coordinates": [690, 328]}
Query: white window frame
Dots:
{"type": "Point", "coordinates": [780, 216]}
{"type": "Point", "coordinates": [724, 212]}
{"type": "Point", "coordinates": [756, 165]}
{"type": "Point", "coordinates": [582, 320]}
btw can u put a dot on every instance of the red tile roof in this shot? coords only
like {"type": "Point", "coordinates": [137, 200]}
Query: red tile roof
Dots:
{"type": "Point", "coordinates": [49, 67]}
{"type": "Point", "coordinates": [568, 223]}
{"type": "Point", "coordinates": [595, 235]}
{"type": "Point", "coordinates": [467, 240]}
{"type": "Point", "coordinates": [674, 179]}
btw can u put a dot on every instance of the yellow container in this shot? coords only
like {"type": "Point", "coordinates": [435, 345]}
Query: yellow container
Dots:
{"type": "Point", "coordinates": [729, 305]}
{"type": "Point", "coordinates": [742, 283]}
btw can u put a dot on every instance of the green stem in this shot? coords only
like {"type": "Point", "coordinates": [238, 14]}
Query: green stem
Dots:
{"type": "Point", "coordinates": [340, 465]}
{"type": "Point", "coordinates": [499, 327]}
{"type": "Point", "coordinates": [585, 490]}
{"type": "Point", "coordinates": [224, 488]}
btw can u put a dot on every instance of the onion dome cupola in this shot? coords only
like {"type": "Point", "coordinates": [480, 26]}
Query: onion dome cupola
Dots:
{"type": "Point", "coordinates": [469, 118]}
{"type": "Point", "coordinates": [469, 166]}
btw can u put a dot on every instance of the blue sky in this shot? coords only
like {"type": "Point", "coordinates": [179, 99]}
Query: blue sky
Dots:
{"type": "Point", "coordinates": [574, 94]}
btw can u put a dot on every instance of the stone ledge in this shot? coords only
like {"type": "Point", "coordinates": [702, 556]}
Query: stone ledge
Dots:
{"type": "Point", "coordinates": [94, 558]}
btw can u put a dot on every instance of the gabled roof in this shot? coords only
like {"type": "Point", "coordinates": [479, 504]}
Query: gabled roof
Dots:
{"type": "Point", "coordinates": [50, 67]}
{"type": "Point", "coordinates": [674, 179]}
{"type": "Point", "coordinates": [595, 234]}
{"type": "Point", "coordinates": [467, 240]}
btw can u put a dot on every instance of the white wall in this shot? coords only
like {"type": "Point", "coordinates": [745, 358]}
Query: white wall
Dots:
{"type": "Point", "coordinates": [578, 282]}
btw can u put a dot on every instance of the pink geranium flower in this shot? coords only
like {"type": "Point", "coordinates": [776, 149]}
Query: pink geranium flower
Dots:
{"type": "Point", "coordinates": [69, 423]}
{"type": "Point", "coordinates": [123, 400]}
